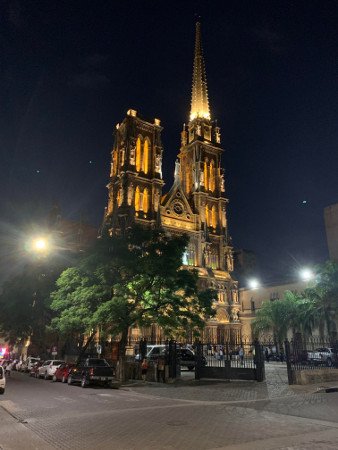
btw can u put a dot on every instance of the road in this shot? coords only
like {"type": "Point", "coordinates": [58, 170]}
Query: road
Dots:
{"type": "Point", "coordinates": [42, 415]}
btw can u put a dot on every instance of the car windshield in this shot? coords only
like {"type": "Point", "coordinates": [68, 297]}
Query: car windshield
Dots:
{"type": "Point", "coordinates": [35, 360]}
{"type": "Point", "coordinates": [57, 363]}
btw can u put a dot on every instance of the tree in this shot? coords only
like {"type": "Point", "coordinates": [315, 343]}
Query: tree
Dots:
{"type": "Point", "coordinates": [324, 296]}
{"type": "Point", "coordinates": [132, 280]}
{"type": "Point", "coordinates": [278, 316]}
{"type": "Point", "coordinates": [25, 304]}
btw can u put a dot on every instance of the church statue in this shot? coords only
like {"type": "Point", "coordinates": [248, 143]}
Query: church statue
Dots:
{"type": "Point", "coordinates": [130, 194]}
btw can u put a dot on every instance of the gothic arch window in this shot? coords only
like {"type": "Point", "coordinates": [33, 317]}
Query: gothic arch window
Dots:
{"type": "Point", "coordinates": [214, 259]}
{"type": "Point", "coordinates": [119, 197]}
{"type": "Point", "coordinates": [213, 217]}
{"type": "Point", "coordinates": [212, 176]}
{"type": "Point", "coordinates": [114, 162]}
{"type": "Point", "coordinates": [145, 201]}
{"type": "Point", "coordinates": [207, 215]}
{"type": "Point", "coordinates": [138, 154]}
{"type": "Point", "coordinates": [145, 159]}
{"type": "Point", "coordinates": [206, 175]}
{"type": "Point", "coordinates": [137, 199]}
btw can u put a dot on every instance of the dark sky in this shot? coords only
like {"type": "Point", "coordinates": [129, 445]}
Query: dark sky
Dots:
{"type": "Point", "coordinates": [69, 70]}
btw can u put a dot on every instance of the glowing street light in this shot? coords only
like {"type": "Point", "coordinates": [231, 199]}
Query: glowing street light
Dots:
{"type": "Point", "coordinates": [306, 274]}
{"type": "Point", "coordinates": [254, 283]}
{"type": "Point", "coordinates": [40, 244]}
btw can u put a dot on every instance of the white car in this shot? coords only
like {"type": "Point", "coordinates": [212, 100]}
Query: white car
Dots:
{"type": "Point", "coordinates": [48, 368]}
{"type": "Point", "coordinates": [2, 380]}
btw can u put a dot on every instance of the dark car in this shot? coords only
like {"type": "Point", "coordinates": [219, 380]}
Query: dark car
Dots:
{"type": "Point", "coordinates": [92, 371]}
{"type": "Point", "coordinates": [187, 358]}
{"type": "Point", "coordinates": [62, 372]}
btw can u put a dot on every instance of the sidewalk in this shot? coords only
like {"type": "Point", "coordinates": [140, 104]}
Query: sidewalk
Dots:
{"type": "Point", "coordinates": [14, 435]}
{"type": "Point", "coordinates": [275, 386]}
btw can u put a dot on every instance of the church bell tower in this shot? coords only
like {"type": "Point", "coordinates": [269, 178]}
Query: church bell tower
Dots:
{"type": "Point", "coordinates": [196, 204]}
{"type": "Point", "coordinates": [135, 184]}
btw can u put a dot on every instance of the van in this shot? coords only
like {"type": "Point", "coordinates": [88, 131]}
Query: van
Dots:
{"type": "Point", "coordinates": [2, 380]}
{"type": "Point", "coordinates": [153, 352]}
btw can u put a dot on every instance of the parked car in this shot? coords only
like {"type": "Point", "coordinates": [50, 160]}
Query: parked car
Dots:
{"type": "Point", "coordinates": [92, 371]}
{"type": "Point", "coordinates": [187, 358]}
{"type": "Point", "coordinates": [322, 355]}
{"type": "Point", "coordinates": [48, 368]}
{"type": "Point", "coordinates": [153, 352]}
{"type": "Point", "coordinates": [29, 363]}
{"type": "Point", "coordinates": [2, 380]}
{"type": "Point", "coordinates": [62, 372]}
{"type": "Point", "coordinates": [34, 370]}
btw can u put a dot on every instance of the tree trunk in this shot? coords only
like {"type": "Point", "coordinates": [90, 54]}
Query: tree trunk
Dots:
{"type": "Point", "coordinates": [120, 369]}
{"type": "Point", "coordinates": [89, 340]}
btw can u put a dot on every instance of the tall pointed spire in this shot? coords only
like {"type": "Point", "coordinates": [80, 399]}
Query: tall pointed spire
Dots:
{"type": "Point", "coordinates": [199, 99]}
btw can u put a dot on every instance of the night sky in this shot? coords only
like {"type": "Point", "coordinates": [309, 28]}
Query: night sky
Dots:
{"type": "Point", "coordinates": [69, 71]}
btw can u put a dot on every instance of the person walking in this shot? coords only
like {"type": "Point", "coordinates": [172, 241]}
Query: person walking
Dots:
{"type": "Point", "coordinates": [267, 354]}
{"type": "Point", "coordinates": [241, 355]}
{"type": "Point", "coordinates": [144, 369]}
{"type": "Point", "coordinates": [9, 368]}
{"type": "Point", "coordinates": [221, 354]}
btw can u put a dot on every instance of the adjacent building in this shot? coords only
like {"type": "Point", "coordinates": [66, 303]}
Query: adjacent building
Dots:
{"type": "Point", "coordinates": [331, 226]}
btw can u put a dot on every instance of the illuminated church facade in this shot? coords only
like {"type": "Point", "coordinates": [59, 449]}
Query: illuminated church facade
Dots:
{"type": "Point", "coordinates": [195, 205]}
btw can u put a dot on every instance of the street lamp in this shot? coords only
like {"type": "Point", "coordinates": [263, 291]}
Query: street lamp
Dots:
{"type": "Point", "coordinates": [253, 283]}
{"type": "Point", "coordinates": [40, 244]}
{"type": "Point", "coordinates": [306, 274]}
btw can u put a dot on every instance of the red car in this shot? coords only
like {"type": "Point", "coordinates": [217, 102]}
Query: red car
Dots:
{"type": "Point", "coordinates": [62, 372]}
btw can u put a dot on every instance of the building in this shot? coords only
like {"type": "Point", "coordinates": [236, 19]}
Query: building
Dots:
{"type": "Point", "coordinates": [195, 204]}
{"type": "Point", "coordinates": [331, 227]}
{"type": "Point", "coordinates": [251, 300]}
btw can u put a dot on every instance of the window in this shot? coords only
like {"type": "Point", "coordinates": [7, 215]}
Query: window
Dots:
{"type": "Point", "coordinates": [213, 217]}
{"type": "Point", "coordinates": [138, 154]}
{"type": "Point", "coordinates": [206, 178]}
{"type": "Point", "coordinates": [145, 201]}
{"type": "Point", "coordinates": [145, 159]}
{"type": "Point", "coordinates": [137, 199]}
{"type": "Point", "coordinates": [212, 176]}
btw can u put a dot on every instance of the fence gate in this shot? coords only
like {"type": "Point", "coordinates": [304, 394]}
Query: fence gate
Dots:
{"type": "Point", "coordinates": [244, 361]}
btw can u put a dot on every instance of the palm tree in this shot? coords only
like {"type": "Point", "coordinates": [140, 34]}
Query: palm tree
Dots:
{"type": "Point", "coordinates": [324, 296]}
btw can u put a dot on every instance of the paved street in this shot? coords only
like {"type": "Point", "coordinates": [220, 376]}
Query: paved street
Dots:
{"type": "Point", "coordinates": [38, 414]}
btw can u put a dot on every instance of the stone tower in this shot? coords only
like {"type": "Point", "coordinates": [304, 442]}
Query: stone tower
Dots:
{"type": "Point", "coordinates": [135, 185]}
{"type": "Point", "coordinates": [196, 205]}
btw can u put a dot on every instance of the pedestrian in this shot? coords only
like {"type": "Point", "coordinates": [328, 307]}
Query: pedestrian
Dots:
{"type": "Point", "coordinates": [9, 368]}
{"type": "Point", "coordinates": [267, 354]}
{"type": "Point", "coordinates": [241, 354]}
{"type": "Point", "coordinates": [221, 353]}
{"type": "Point", "coordinates": [144, 369]}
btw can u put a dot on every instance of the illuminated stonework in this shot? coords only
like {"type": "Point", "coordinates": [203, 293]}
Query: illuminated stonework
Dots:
{"type": "Point", "coordinates": [195, 204]}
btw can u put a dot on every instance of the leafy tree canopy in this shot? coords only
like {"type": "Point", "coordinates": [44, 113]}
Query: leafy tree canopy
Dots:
{"type": "Point", "coordinates": [131, 280]}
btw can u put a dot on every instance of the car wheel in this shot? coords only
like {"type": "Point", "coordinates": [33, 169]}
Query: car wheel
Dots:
{"type": "Point", "coordinates": [46, 376]}
{"type": "Point", "coordinates": [64, 379]}
{"type": "Point", "coordinates": [84, 383]}
{"type": "Point", "coordinates": [191, 367]}
{"type": "Point", "coordinates": [329, 362]}
{"type": "Point", "coordinates": [54, 378]}
{"type": "Point", "coordinates": [69, 381]}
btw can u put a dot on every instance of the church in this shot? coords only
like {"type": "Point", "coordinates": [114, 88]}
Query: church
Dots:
{"type": "Point", "coordinates": [196, 204]}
